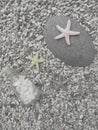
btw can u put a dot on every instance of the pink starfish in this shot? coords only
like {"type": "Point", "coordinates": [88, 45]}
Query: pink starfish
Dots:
{"type": "Point", "coordinates": [66, 32]}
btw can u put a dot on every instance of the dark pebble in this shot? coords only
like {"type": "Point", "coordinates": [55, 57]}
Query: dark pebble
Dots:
{"type": "Point", "coordinates": [80, 53]}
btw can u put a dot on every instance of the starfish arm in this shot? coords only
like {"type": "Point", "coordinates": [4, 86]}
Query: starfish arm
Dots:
{"type": "Point", "coordinates": [29, 58]}
{"type": "Point", "coordinates": [56, 82]}
{"type": "Point", "coordinates": [32, 64]}
{"type": "Point", "coordinates": [41, 60]}
{"type": "Point", "coordinates": [59, 28]}
{"type": "Point", "coordinates": [36, 56]}
{"type": "Point", "coordinates": [59, 36]}
{"type": "Point", "coordinates": [67, 39]}
{"type": "Point", "coordinates": [65, 82]}
{"type": "Point", "coordinates": [65, 88]}
{"type": "Point", "coordinates": [57, 88]}
{"type": "Point", "coordinates": [68, 25]}
{"type": "Point", "coordinates": [74, 33]}
{"type": "Point", "coordinates": [37, 66]}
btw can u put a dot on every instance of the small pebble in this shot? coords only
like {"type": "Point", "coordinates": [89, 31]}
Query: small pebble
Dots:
{"type": "Point", "coordinates": [39, 38]}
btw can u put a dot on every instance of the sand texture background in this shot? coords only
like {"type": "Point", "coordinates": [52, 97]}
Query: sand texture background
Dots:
{"type": "Point", "coordinates": [22, 25]}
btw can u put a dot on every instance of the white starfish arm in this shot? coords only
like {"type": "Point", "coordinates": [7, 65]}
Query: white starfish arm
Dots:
{"type": "Point", "coordinates": [59, 36]}
{"type": "Point", "coordinates": [41, 60]}
{"type": "Point", "coordinates": [74, 33]}
{"type": "Point", "coordinates": [29, 58]}
{"type": "Point", "coordinates": [59, 28]}
{"type": "Point", "coordinates": [68, 25]}
{"type": "Point", "coordinates": [37, 66]}
{"type": "Point", "coordinates": [67, 39]}
{"type": "Point", "coordinates": [32, 64]}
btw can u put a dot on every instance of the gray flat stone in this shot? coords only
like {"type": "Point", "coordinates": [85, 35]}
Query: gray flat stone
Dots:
{"type": "Point", "coordinates": [80, 53]}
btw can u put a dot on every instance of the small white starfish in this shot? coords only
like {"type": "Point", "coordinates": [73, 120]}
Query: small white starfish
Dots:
{"type": "Point", "coordinates": [35, 61]}
{"type": "Point", "coordinates": [66, 32]}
